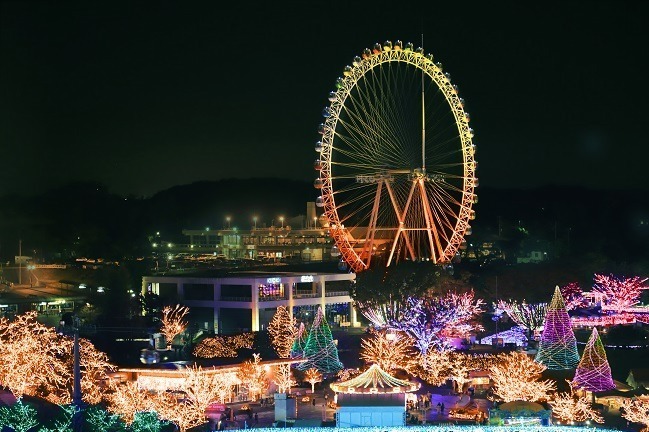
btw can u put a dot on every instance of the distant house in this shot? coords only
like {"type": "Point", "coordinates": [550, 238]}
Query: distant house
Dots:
{"type": "Point", "coordinates": [534, 257]}
{"type": "Point", "coordinates": [638, 377]}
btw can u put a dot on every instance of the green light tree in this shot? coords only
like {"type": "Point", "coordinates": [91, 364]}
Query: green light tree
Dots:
{"type": "Point", "coordinates": [320, 350]}
{"type": "Point", "coordinates": [20, 417]}
{"type": "Point", "coordinates": [297, 350]}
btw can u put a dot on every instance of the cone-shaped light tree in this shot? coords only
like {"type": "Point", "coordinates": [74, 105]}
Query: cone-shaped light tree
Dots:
{"type": "Point", "coordinates": [594, 372]}
{"type": "Point", "coordinates": [297, 350]}
{"type": "Point", "coordinates": [320, 350]}
{"type": "Point", "coordinates": [558, 346]}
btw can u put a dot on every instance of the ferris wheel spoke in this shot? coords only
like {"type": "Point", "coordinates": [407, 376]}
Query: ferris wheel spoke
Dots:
{"type": "Point", "coordinates": [395, 154]}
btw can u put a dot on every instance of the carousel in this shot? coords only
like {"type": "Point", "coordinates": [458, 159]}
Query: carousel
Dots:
{"type": "Point", "coordinates": [373, 398]}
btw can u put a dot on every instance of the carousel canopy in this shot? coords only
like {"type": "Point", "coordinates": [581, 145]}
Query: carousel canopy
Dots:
{"type": "Point", "coordinates": [375, 380]}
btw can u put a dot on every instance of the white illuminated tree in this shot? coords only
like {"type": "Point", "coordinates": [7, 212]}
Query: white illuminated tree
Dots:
{"type": "Point", "coordinates": [284, 378]}
{"type": "Point", "coordinates": [313, 376]}
{"type": "Point", "coordinates": [173, 322]}
{"type": "Point", "coordinates": [573, 407]}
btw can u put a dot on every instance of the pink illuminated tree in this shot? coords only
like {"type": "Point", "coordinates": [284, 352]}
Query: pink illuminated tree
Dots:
{"type": "Point", "coordinates": [594, 372]}
{"type": "Point", "coordinates": [619, 293]}
{"type": "Point", "coordinates": [573, 296]}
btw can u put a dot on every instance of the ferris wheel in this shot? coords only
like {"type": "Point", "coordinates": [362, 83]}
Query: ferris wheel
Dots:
{"type": "Point", "coordinates": [396, 160]}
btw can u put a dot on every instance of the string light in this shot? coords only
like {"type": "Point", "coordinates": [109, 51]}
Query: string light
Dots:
{"type": "Point", "coordinates": [390, 350]}
{"type": "Point", "coordinates": [173, 322]}
{"type": "Point", "coordinates": [282, 331]}
{"type": "Point", "coordinates": [572, 407]}
{"type": "Point", "coordinates": [593, 372]}
{"type": "Point", "coordinates": [223, 346]}
{"type": "Point", "coordinates": [558, 346]}
{"type": "Point", "coordinates": [312, 376]}
{"type": "Point", "coordinates": [516, 377]}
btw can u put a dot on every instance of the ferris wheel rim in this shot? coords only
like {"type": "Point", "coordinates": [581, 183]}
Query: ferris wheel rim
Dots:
{"type": "Point", "coordinates": [346, 85]}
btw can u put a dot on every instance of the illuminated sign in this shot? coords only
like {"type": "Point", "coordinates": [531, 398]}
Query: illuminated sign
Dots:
{"type": "Point", "coordinates": [306, 278]}
{"type": "Point", "coordinates": [274, 280]}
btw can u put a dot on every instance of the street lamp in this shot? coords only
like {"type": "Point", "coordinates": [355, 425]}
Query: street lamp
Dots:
{"type": "Point", "coordinates": [254, 220]}
{"type": "Point", "coordinates": [315, 222]}
{"type": "Point", "coordinates": [227, 219]}
{"type": "Point", "coordinates": [281, 219]}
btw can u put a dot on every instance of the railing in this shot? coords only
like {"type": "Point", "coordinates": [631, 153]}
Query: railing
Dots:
{"type": "Point", "coordinates": [336, 293]}
{"type": "Point", "coordinates": [309, 295]}
{"type": "Point", "coordinates": [271, 298]}
{"type": "Point", "coordinates": [237, 299]}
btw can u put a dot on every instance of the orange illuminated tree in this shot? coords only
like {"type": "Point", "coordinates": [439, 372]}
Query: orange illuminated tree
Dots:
{"type": "Point", "coordinates": [253, 376]}
{"type": "Point", "coordinates": [173, 322]}
{"type": "Point", "coordinates": [390, 350]}
{"type": "Point", "coordinates": [516, 376]}
{"type": "Point", "coordinates": [312, 376]}
{"type": "Point", "coordinates": [223, 346]}
{"type": "Point", "coordinates": [31, 357]}
{"type": "Point", "coordinates": [283, 331]}
{"type": "Point", "coordinates": [637, 411]}
{"type": "Point", "coordinates": [127, 399]}
{"type": "Point", "coordinates": [434, 366]}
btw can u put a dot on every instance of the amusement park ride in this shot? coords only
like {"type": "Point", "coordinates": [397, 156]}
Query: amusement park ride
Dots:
{"type": "Point", "coordinates": [396, 160]}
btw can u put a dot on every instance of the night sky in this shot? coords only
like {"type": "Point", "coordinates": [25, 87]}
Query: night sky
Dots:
{"type": "Point", "coordinates": [144, 95]}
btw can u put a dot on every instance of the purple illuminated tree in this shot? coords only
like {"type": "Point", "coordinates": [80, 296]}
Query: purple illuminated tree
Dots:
{"type": "Point", "coordinates": [558, 346]}
{"type": "Point", "coordinates": [430, 320]}
{"type": "Point", "coordinates": [594, 372]}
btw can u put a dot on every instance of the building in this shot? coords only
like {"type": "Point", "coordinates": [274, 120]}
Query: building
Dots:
{"type": "Point", "coordinates": [247, 300]}
{"type": "Point", "coordinates": [373, 399]}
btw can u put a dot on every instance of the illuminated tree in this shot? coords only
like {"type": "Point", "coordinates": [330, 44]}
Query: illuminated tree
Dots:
{"type": "Point", "coordinates": [593, 372]}
{"type": "Point", "coordinates": [173, 322]}
{"type": "Point", "coordinates": [572, 295]}
{"type": "Point", "coordinates": [430, 319]}
{"type": "Point", "coordinates": [558, 346]}
{"type": "Point", "coordinates": [102, 420]}
{"type": "Point", "coordinates": [312, 376]}
{"type": "Point", "coordinates": [637, 411]}
{"type": "Point", "coordinates": [284, 378]}
{"type": "Point", "coordinates": [127, 399]}
{"type": "Point", "coordinates": [435, 366]}
{"type": "Point", "coordinates": [282, 331]}
{"type": "Point", "coordinates": [147, 421]}
{"type": "Point", "coordinates": [571, 407]}
{"type": "Point", "coordinates": [380, 314]}
{"type": "Point", "coordinates": [253, 377]}
{"type": "Point", "coordinates": [619, 293]}
{"type": "Point", "coordinates": [31, 357]}
{"type": "Point", "coordinates": [94, 366]}
{"type": "Point", "coordinates": [516, 377]}
{"type": "Point", "coordinates": [20, 416]}
{"type": "Point", "coordinates": [223, 346]}
{"type": "Point", "coordinates": [346, 374]}
{"type": "Point", "coordinates": [320, 349]}
{"type": "Point", "coordinates": [390, 350]}
{"type": "Point", "coordinates": [302, 335]}
{"type": "Point", "coordinates": [529, 316]}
